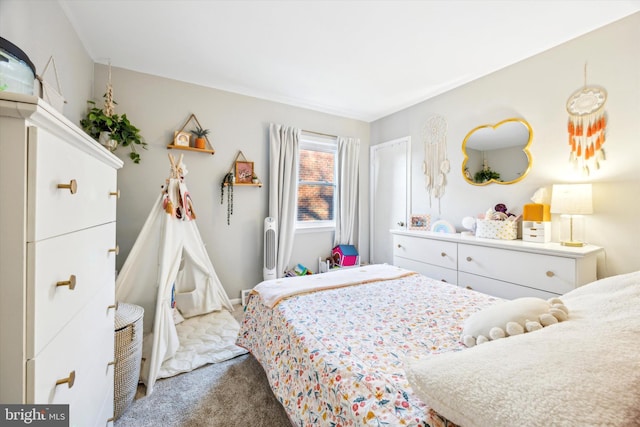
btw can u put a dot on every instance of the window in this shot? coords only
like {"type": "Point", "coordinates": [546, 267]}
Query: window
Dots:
{"type": "Point", "coordinates": [316, 182]}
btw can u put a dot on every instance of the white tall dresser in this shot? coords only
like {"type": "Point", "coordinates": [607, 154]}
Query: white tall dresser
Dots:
{"type": "Point", "coordinates": [58, 190]}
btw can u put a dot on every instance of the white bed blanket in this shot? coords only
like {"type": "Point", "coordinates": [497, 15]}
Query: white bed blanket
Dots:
{"type": "Point", "coordinates": [208, 338]}
{"type": "Point", "coordinates": [581, 372]}
{"type": "Point", "coordinates": [273, 291]}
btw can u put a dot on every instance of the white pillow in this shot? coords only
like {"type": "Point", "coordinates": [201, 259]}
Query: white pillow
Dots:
{"type": "Point", "coordinates": [520, 311]}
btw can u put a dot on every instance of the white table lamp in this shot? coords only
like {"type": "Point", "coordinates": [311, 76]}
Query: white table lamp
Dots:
{"type": "Point", "coordinates": [572, 201]}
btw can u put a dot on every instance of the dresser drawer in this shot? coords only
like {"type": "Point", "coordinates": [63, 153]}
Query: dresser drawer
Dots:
{"type": "Point", "coordinates": [85, 256]}
{"type": "Point", "coordinates": [499, 288]}
{"type": "Point", "coordinates": [85, 347]}
{"type": "Point", "coordinates": [53, 211]}
{"type": "Point", "coordinates": [436, 252]}
{"type": "Point", "coordinates": [545, 272]}
{"type": "Point", "coordinates": [105, 417]}
{"type": "Point", "coordinates": [429, 270]}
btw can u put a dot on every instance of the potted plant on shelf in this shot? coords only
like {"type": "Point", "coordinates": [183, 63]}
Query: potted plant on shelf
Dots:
{"type": "Point", "coordinates": [254, 179]}
{"type": "Point", "coordinates": [200, 141]}
{"type": "Point", "coordinates": [112, 130]}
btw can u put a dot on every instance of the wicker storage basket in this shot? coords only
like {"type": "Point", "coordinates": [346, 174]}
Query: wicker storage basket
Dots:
{"type": "Point", "coordinates": [128, 349]}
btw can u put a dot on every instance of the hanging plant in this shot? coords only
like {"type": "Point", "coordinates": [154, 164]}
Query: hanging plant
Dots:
{"type": "Point", "coordinates": [116, 130]}
{"type": "Point", "coordinates": [227, 181]}
{"type": "Point", "coordinates": [486, 174]}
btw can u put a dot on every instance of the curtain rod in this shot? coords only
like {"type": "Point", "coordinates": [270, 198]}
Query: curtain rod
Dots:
{"type": "Point", "coordinates": [319, 133]}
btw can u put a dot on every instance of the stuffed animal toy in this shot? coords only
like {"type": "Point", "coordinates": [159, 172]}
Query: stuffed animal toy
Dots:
{"type": "Point", "coordinates": [511, 318]}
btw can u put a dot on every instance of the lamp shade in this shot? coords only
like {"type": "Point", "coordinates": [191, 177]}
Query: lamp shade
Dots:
{"type": "Point", "coordinates": [572, 199]}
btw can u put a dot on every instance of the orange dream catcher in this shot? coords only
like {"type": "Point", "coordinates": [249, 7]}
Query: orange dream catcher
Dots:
{"type": "Point", "coordinates": [586, 126]}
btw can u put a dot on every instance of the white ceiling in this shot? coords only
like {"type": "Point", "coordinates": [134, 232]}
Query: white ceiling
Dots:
{"type": "Point", "coordinates": [358, 59]}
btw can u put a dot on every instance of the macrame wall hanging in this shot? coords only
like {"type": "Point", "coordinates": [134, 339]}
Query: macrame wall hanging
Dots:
{"type": "Point", "coordinates": [435, 165]}
{"type": "Point", "coordinates": [586, 126]}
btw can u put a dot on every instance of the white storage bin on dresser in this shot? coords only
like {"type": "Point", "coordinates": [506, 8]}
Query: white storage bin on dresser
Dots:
{"type": "Point", "coordinates": [504, 268]}
{"type": "Point", "coordinates": [536, 231]}
{"type": "Point", "coordinates": [57, 262]}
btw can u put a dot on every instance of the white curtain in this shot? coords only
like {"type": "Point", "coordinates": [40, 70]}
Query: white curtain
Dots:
{"type": "Point", "coordinates": [347, 197]}
{"type": "Point", "coordinates": [284, 152]}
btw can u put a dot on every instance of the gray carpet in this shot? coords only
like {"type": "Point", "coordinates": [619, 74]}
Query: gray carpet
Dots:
{"type": "Point", "coordinates": [227, 394]}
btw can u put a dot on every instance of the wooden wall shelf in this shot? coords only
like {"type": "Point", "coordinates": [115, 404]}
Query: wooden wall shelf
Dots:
{"type": "Point", "coordinates": [201, 150]}
{"type": "Point", "coordinates": [244, 184]}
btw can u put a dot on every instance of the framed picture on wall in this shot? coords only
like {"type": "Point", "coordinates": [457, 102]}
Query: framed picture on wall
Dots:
{"type": "Point", "coordinates": [420, 222]}
{"type": "Point", "coordinates": [181, 139]}
{"type": "Point", "coordinates": [244, 172]}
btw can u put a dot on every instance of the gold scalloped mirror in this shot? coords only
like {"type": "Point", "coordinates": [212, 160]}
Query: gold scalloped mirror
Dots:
{"type": "Point", "coordinates": [497, 153]}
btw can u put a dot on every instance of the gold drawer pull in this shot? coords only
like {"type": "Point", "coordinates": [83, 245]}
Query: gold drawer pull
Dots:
{"type": "Point", "coordinates": [111, 363]}
{"type": "Point", "coordinates": [469, 287]}
{"type": "Point", "coordinates": [72, 186]}
{"type": "Point", "coordinates": [469, 259]}
{"type": "Point", "coordinates": [71, 283]}
{"type": "Point", "coordinates": [550, 274]}
{"type": "Point", "coordinates": [115, 250]}
{"type": "Point", "coordinates": [115, 193]}
{"type": "Point", "coordinates": [111, 420]}
{"type": "Point", "coordinates": [69, 380]}
{"type": "Point", "coordinates": [114, 306]}
{"type": "Point", "coordinates": [443, 254]}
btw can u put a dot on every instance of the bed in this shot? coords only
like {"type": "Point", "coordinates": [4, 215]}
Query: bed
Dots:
{"type": "Point", "coordinates": [381, 346]}
{"type": "Point", "coordinates": [335, 357]}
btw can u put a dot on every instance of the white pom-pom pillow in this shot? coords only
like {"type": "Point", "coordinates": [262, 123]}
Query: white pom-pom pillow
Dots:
{"type": "Point", "coordinates": [512, 318]}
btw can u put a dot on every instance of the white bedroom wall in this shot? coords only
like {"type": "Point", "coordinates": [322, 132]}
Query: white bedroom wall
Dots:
{"type": "Point", "coordinates": [41, 29]}
{"type": "Point", "coordinates": [536, 90]}
{"type": "Point", "coordinates": [160, 106]}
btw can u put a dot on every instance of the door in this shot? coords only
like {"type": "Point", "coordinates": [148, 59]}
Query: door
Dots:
{"type": "Point", "coordinates": [389, 198]}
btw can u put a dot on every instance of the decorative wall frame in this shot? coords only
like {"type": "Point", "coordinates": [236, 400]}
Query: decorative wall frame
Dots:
{"type": "Point", "coordinates": [244, 172]}
{"type": "Point", "coordinates": [47, 91]}
{"type": "Point", "coordinates": [420, 222]}
{"type": "Point", "coordinates": [181, 139]}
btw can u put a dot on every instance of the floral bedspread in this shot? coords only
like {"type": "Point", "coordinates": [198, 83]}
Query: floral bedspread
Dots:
{"type": "Point", "coordinates": [335, 357]}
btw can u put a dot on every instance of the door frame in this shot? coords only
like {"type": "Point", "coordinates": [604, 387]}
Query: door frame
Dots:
{"type": "Point", "coordinates": [373, 151]}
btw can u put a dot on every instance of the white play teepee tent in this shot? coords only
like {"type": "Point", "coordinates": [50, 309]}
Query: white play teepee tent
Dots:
{"type": "Point", "coordinates": [168, 263]}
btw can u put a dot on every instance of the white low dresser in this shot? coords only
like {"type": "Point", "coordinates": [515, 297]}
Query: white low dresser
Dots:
{"type": "Point", "coordinates": [57, 262]}
{"type": "Point", "coordinates": [504, 268]}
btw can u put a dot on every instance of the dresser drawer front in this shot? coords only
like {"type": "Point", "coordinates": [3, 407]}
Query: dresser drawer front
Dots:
{"type": "Point", "coordinates": [429, 270]}
{"type": "Point", "coordinates": [544, 272]}
{"type": "Point", "coordinates": [85, 346]}
{"type": "Point", "coordinates": [105, 416]}
{"type": "Point", "coordinates": [435, 252]}
{"type": "Point", "coordinates": [85, 256]}
{"type": "Point", "coordinates": [498, 288]}
{"type": "Point", "coordinates": [53, 211]}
